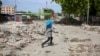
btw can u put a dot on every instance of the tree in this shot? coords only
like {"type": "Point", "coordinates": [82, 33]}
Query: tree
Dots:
{"type": "Point", "coordinates": [29, 12]}
{"type": "Point", "coordinates": [94, 7]}
{"type": "Point", "coordinates": [73, 6]}
{"type": "Point", "coordinates": [0, 6]}
{"type": "Point", "coordinates": [48, 12]}
{"type": "Point", "coordinates": [79, 6]}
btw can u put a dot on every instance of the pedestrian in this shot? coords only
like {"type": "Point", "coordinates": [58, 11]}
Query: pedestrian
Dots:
{"type": "Point", "coordinates": [48, 32]}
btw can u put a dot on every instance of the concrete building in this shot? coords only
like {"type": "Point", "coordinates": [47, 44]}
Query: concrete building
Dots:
{"type": "Point", "coordinates": [8, 10]}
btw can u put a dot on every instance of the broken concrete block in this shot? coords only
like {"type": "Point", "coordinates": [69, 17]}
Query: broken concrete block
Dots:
{"type": "Point", "coordinates": [74, 40]}
{"type": "Point", "coordinates": [2, 45]}
{"type": "Point", "coordinates": [66, 39]}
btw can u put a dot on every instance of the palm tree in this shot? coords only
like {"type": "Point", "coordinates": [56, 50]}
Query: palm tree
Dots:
{"type": "Point", "coordinates": [0, 6]}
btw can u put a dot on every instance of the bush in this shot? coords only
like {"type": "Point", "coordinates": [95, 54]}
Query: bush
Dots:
{"type": "Point", "coordinates": [98, 13]}
{"type": "Point", "coordinates": [47, 16]}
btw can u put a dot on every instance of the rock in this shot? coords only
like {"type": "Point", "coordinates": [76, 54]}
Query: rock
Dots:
{"type": "Point", "coordinates": [71, 54]}
{"type": "Point", "coordinates": [74, 40]}
{"type": "Point", "coordinates": [97, 48]}
{"type": "Point", "coordinates": [85, 40]}
{"type": "Point", "coordinates": [98, 31]}
{"type": "Point", "coordinates": [1, 34]}
{"type": "Point", "coordinates": [91, 28]}
{"type": "Point", "coordinates": [47, 51]}
{"type": "Point", "coordinates": [80, 40]}
{"type": "Point", "coordinates": [83, 49]}
{"type": "Point", "coordinates": [1, 54]}
{"type": "Point", "coordinates": [66, 39]}
{"type": "Point", "coordinates": [2, 46]}
{"type": "Point", "coordinates": [7, 52]}
{"type": "Point", "coordinates": [3, 40]}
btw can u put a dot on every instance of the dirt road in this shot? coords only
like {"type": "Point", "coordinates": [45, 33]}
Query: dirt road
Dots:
{"type": "Point", "coordinates": [68, 41]}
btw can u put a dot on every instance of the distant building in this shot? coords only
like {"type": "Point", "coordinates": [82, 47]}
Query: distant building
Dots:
{"type": "Point", "coordinates": [8, 10]}
{"type": "Point", "coordinates": [45, 13]}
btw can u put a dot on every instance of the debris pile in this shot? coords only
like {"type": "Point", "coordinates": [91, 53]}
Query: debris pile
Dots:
{"type": "Point", "coordinates": [68, 21]}
{"type": "Point", "coordinates": [91, 28]}
{"type": "Point", "coordinates": [81, 50]}
{"type": "Point", "coordinates": [18, 35]}
{"type": "Point", "coordinates": [81, 47]}
{"type": "Point", "coordinates": [79, 40]}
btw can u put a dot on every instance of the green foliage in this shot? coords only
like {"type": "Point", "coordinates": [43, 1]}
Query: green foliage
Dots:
{"type": "Point", "coordinates": [59, 14]}
{"type": "Point", "coordinates": [97, 6]}
{"type": "Point", "coordinates": [0, 3]}
{"type": "Point", "coordinates": [79, 6]}
{"type": "Point", "coordinates": [0, 6]}
{"type": "Point", "coordinates": [48, 10]}
{"type": "Point", "coordinates": [73, 6]}
{"type": "Point", "coordinates": [47, 16]}
{"type": "Point", "coordinates": [47, 13]}
{"type": "Point", "coordinates": [29, 12]}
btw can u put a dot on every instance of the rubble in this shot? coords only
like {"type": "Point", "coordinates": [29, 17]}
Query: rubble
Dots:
{"type": "Point", "coordinates": [66, 39]}
{"type": "Point", "coordinates": [47, 51]}
{"type": "Point", "coordinates": [80, 40]}
{"type": "Point", "coordinates": [91, 28]}
{"type": "Point", "coordinates": [18, 34]}
{"type": "Point", "coordinates": [83, 47]}
{"type": "Point", "coordinates": [80, 49]}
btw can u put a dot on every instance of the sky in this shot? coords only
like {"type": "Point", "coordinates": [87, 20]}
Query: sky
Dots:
{"type": "Point", "coordinates": [32, 5]}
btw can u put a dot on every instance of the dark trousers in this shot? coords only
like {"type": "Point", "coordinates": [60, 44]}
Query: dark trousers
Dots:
{"type": "Point", "coordinates": [49, 39]}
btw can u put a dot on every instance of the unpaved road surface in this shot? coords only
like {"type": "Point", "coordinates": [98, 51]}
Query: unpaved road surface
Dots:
{"type": "Point", "coordinates": [68, 41]}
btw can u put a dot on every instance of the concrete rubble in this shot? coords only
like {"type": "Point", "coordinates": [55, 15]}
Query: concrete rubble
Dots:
{"type": "Point", "coordinates": [83, 47]}
{"type": "Point", "coordinates": [19, 39]}
{"type": "Point", "coordinates": [91, 28]}
{"type": "Point", "coordinates": [18, 34]}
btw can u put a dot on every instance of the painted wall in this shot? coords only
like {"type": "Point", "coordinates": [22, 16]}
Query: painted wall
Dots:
{"type": "Point", "coordinates": [18, 18]}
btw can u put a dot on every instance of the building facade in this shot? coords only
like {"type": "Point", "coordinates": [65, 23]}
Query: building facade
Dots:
{"type": "Point", "coordinates": [8, 10]}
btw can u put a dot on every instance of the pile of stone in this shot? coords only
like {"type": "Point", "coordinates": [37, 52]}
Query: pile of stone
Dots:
{"type": "Point", "coordinates": [81, 50]}
{"type": "Point", "coordinates": [84, 49]}
{"type": "Point", "coordinates": [16, 35]}
{"type": "Point", "coordinates": [91, 28]}
{"type": "Point", "coordinates": [81, 47]}
{"type": "Point", "coordinates": [97, 50]}
{"type": "Point", "coordinates": [80, 40]}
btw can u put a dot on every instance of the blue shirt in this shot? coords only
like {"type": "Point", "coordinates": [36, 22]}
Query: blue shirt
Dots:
{"type": "Point", "coordinates": [49, 23]}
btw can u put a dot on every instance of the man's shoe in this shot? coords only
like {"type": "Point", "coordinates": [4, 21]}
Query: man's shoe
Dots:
{"type": "Point", "coordinates": [50, 44]}
{"type": "Point", "coordinates": [42, 46]}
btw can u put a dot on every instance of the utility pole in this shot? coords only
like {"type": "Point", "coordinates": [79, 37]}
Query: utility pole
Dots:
{"type": "Point", "coordinates": [15, 9]}
{"type": "Point", "coordinates": [46, 4]}
{"type": "Point", "coordinates": [15, 6]}
{"type": "Point", "coordinates": [88, 11]}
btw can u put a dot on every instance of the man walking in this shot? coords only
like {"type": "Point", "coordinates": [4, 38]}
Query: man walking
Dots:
{"type": "Point", "coordinates": [48, 32]}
